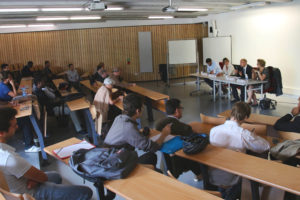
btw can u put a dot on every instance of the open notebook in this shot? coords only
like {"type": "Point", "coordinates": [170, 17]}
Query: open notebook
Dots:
{"type": "Point", "coordinates": [66, 152]}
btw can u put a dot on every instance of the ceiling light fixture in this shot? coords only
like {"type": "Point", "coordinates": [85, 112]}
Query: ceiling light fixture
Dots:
{"type": "Point", "coordinates": [114, 8]}
{"type": "Point", "coordinates": [249, 5]}
{"type": "Point", "coordinates": [4, 10]}
{"type": "Point", "coordinates": [191, 9]}
{"type": "Point", "coordinates": [51, 18]}
{"type": "Point", "coordinates": [61, 9]}
{"type": "Point", "coordinates": [91, 17]}
{"type": "Point", "coordinates": [39, 25]}
{"type": "Point", "coordinates": [13, 26]}
{"type": "Point", "coordinates": [161, 17]}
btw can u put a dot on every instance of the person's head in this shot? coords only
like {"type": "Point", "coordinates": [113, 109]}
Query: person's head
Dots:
{"type": "Point", "coordinates": [4, 67]}
{"type": "Point", "coordinates": [8, 123]}
{"type": "Point", "coordinates": [104, 74]}
{"type": "Point", "coordinates": [208, 61]}
{"type": "Point", "coordinates": [38, 82]}
{"type": "Point", "coordinates": [71, 66]}
{"type": "Point", "coordinates": [30, 64]}
{"type": "Point", "coordinates": [100, 67]}
{"type": "Point", "coordinates": [6, 76]}
{"type": "Point", "coordinates": [243, 62]}
{"type": "Point", "coordinates": [109, 83]}
{"type": "Point", "coordinates": [173, 107]}
{"type": "Point", "coordinates": [261, 63]}
{"type": "Point", "coordinates": [132, 105]}
{"type": "Point", "coordinates": [240, 111]}
{"type": "Point", "coordinates": [225, 61]}
{"type": "Point", "coordinates": [116, 71]}
{"type": "Point", "coordinates": [47, 63]}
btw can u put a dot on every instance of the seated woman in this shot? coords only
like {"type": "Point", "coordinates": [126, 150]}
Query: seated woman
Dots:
{"type": "Point", "coordinates": [263, 75]}
{"type": "Point", "coordinates": [232, 136]}
{"type": "Point", "coordinates": [104, 102]}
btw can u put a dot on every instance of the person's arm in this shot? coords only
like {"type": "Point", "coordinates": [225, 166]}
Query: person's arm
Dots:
{"type": "Point", "coordinates": [48, 93]}
{"type": "Point", "coordinates": [164, 133]}
{"type": "Point", "coordinates": [285, 123]}
{"type": "Point", "coordinates": [112, 102]}
{"type": "Point", "coordinates": [34, 177]}
{"type": "Point", "coordinates": [12, 93]}
{"type": "Point", "coordinates": [253, 142]}
{"type": "Point", "coordinates": [261, 76]}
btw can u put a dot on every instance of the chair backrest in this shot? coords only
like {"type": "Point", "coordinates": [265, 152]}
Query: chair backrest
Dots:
{"type": "Point", "coordinates": [289, 135]}
{"type": "Point", "coordinates": [212, 120]}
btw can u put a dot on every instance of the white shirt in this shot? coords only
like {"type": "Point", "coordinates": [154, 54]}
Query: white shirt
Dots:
{"type": "Point", "coordinates": [214, 67]}
{"type": "Point", "coordinates": [72, 75]}
{"type": "Point", "coordinates": [228, 71]}
{"type": "Point", "coordinates": [230, 135]}
{"type": "Point", "coordinates": [14, 167]}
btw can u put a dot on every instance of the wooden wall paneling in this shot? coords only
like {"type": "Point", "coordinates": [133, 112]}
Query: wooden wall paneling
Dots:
{"type": "Point", "coordinates": [86, 48]}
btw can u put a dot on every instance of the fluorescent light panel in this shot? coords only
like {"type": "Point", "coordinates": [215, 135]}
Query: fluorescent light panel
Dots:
{"type": "Point", "coordinates": [191, 9]}
{"type": "Point", "coordinates": [13, 26]}
{"type": "Point", "coordinates": [91, 17]}
{"type": "Point", "coordinates": [39, 25]}
{"type": "Point", "coordinates": [249, 5]}
{"type": "Point", "coordinates": [51, 18]}
{"type": "Point", "coordinates": [61, 9]}
{"type": "Point", "coordinates": [19, 10]}
{"type": "Point", "coordinates": [114, 8]}
{"type": "Point", "coordinates": [160, 17]}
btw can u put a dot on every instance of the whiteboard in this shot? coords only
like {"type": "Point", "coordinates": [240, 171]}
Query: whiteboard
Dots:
{"type": "Point", "coordinates": [182, 51]}
{"type": "Point", "coordinates": [145, 52]}
{"type": "Point", "coordinates": [216, 48]}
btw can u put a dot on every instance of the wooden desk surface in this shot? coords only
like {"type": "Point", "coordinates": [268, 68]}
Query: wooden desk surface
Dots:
{"type": "Point", "coordinates": [87, 84]}
{"type": "Point", "coordinates": [148, 93]}
{"type": "Point", "coordinates": [144, 183]}
{"type": "Point", "coordinates": [255, 118]}
{"type": "Point", "coordinates": [24, 113]}
{"type": "Point", "coordinates": [264, 171]}
{"type": "Point", "coordinates": [78, 104]}
{"type": "Point", "coordinates": [63, 92]}
{"type": "Point", "coordinates": [25, 82]}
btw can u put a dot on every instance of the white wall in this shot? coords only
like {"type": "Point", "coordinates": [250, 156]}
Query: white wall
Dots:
{"type": "Point", "coordinates": [271, 33]}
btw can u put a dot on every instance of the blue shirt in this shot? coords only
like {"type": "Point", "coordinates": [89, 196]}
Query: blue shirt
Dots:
{"type": "Point", "coordinates": [214, 67]}
{"type": "Point", "coordinates": [4, 90]}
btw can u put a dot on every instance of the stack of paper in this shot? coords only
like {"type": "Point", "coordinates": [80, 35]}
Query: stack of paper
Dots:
{"type": "Point", "coordinates": [67, 151]}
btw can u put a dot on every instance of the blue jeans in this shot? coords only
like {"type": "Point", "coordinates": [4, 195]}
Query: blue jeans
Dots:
{"type": "Point", "coordinates": [25, 125]}
{"type": "Point", "coordinates": [53, 189]}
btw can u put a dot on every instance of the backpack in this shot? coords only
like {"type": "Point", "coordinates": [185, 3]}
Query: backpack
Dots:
{"type": "Point", "coordinates": [267, 103]}
{"type": "Point", "coordinates": [100, 164]}
{"type": "Point", "coordinates": [194, 143]}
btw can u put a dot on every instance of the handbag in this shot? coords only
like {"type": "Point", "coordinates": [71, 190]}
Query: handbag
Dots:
{"type": "Point", "coordinates": [194, 143]}
{"type": "Point", "coordinates": [267, 103]}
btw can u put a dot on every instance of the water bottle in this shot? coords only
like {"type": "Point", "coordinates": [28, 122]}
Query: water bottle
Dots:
{"type": "Point", "coordinates": [24, 91]}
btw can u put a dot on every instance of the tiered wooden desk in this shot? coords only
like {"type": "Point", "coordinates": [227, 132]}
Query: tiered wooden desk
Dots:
{"type": "Point", "coordinates": [27, 83]}
{"type": "Point", "coordinates": [144, 183]}
{"type": "Point", "coordinates": [80, 104]}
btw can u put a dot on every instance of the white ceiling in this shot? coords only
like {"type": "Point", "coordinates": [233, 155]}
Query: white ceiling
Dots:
{"type": "Point", "coordinates": [133, 9]}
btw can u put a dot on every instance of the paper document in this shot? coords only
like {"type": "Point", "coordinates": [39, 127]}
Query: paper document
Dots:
{"type": "Point", "coordinates": [169, 137]}
{"type": "Point", "coordinates": [67, 151]}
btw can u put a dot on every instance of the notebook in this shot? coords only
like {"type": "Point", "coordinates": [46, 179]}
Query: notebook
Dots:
{"type": "Point", "coordinates": [66, 152]}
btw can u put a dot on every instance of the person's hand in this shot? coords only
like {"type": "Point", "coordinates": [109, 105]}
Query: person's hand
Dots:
{"type": "Point", "coordinates": [11, 82]}
{"type": "Point", "coordinates": [211, 72]}
{"type": "Point", "coordinates": [121, 98]}
{"type": "Point", "coordinates": [166, 130]}
{"type": "Point", "coordinates": [295, 111]}
{"type": "Point", "coordinates": [31, 184]}
{"type": "Point", "coordinates": [241, 73]}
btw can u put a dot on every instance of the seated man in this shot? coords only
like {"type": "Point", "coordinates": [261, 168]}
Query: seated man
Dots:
{"type": "Point", "coordinates": [174, 111]}
{"type": "Point", "coordinates": [232, 136]}
{"type": "Point", "coordinates": [104, 104]}
{"type": "Point", "coordinates": [212, 68]}
{"type": "Point", "coordinates": [119, 82]}
{"type": "Point", "coordinates": [290, 122]}
{"type": "Point", "coordinates": [6, 95]}
{"type": "Point", "coordinates": [125, 133]}
{"type": "Point", "coordinates": [100, 74]}
{"type": "Point", "coordinates": [73, 76]}
{"type": "Point", "coordinates": [46, 97]}
{"type": "Point", "coordinates": [47, 73]}
{"type": "Point", "coordinates": [244, 71]}
{"type": "Point", "coordinates": [22, 177]}
{"type": "Point", "coordinates": [26, 71]}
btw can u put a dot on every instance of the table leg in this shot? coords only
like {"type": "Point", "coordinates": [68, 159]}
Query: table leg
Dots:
{"type": "Point", "coordinates": [254, 190]}
{"type": "Point", "coordinates": [229, 90]}
{"type": "Point", "coordinates": [261, 91]}
{"type": "Point", "coordinates": [214, 82]}
{"type": "Point", "coordinates": [90, 126]}
{"type": "Point", "coordinates": [220, 84]}
{"type": "Point", "coordinates": [245, 99]}
{"type": "Point", "coordinates": [39, 134]}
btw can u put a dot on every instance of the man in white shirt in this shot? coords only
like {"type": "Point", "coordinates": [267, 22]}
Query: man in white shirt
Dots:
{"type": "Point", "coordinates": [212, 68]}
{"type": "Point", "coordinates": [22, 177]}
{"type": "Point", "coordinates": [73, 77]}
{"type": "Point", "coordinates": [232, 136]}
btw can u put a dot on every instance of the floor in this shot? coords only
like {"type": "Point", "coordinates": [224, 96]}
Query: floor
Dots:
{"type": "Point", "coordinates": [193, 106]}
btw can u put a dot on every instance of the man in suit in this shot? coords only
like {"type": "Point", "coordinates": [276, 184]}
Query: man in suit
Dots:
{"type": "Point", "coordinates": [243, 71]}
{"type": "Point", "coordinates": [286, 123]}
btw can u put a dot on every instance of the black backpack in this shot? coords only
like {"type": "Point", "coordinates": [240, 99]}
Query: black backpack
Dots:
{"type": "Point", "coordinates": [100, 164]}
{"type": "Point", "coordinates": [194, 143]}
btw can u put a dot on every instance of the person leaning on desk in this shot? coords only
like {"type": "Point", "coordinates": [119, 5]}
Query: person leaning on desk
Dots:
{"type": "Point", "coordinates": [212, 68]}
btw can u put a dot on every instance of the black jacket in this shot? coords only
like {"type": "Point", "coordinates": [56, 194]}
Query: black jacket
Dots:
{"type": "Point", "coordinates": [248, 72]}
{"type": "Point", "coordinates": [278, 81]}
{"type": "Point", "coordinates": [285, 124]}
{"type": "Point", "coordinates": [26, 72]}
{"type": "Point", "coordinates": [177, 127]}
